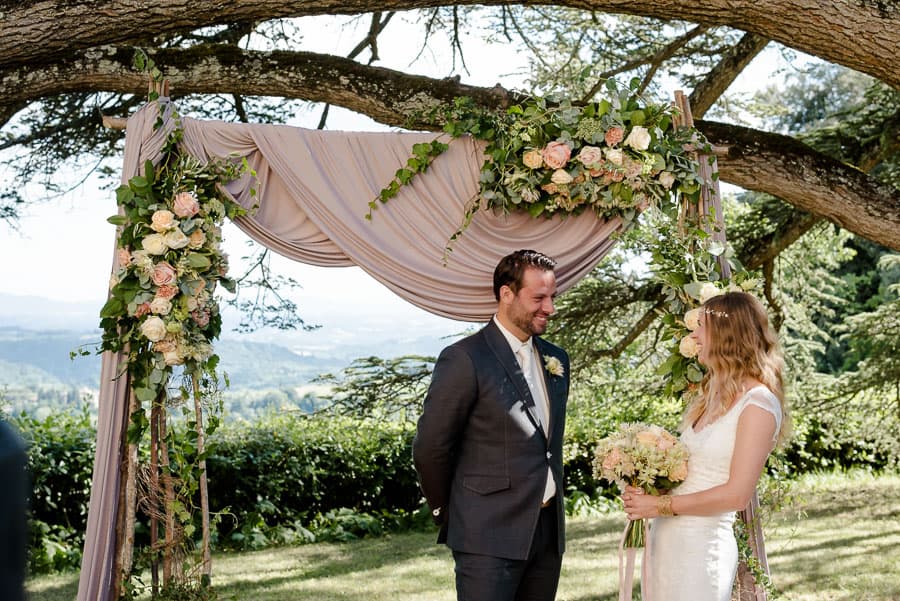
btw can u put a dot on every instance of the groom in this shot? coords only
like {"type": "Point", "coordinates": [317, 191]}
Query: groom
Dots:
{"type": "Point", "coordinates": [488, 448]}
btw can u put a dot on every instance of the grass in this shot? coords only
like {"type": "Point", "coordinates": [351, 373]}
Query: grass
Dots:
{"type": "Point", "coordinates": [837, 539]}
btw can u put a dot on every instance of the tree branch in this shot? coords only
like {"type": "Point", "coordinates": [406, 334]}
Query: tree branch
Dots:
{"type": "Point", "coordinates": [725, 72]}
{"type": "Point", "coordinates": [859, 35]}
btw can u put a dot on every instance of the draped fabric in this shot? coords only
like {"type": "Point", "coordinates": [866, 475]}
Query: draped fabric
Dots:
{"type": "Point", "coordinates": [313, 190]}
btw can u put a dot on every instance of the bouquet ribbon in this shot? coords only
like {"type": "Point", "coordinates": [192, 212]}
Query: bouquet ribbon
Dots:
{"type": "Point", "coordinates": [627, 554]}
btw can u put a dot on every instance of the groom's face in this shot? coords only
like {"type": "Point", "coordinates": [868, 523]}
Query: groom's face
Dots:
{"type": "Point", "coordinates": [530, 308]}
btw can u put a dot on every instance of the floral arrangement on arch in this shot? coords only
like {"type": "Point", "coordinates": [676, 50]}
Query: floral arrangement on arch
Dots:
{"type": "Point", "coordinates": [613, 156]}
{"type": "Point", "coordinates": [162, 310]}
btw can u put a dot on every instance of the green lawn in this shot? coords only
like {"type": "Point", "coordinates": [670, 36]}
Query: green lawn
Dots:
{"type": "Point", "coordinates": [838, 539]}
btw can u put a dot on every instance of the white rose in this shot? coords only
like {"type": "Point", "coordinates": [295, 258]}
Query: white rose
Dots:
{"type": "Point", "coordinates": [176, 239]}
{"type": "Point", "coordinates": [692, 319]}
{"type": "Point", "coordinates": [155, 244]}
{"type": "Point", "coordinates": [688, 347]}
{"type": "Point", "coordinates": [590, 156]}
{"type": "Point", "coordinates": [561, 176]}
{"type": "Point", "coordinates": [154, 329]}
{"type": "Point", "coordinates": [708, 291]}
{"type": "Point", "coordinates": [615, 156]}
{"type": "Point", "coordinates": [141, 258]}
{"type": "Point", "coordinates": [667, 178]}
{"type": "Point", "coordinates": [639, 138]}
{"type": "Point", "coordinates": [163, 221]}
{"type": "Point", "coordinates": [160, 306]}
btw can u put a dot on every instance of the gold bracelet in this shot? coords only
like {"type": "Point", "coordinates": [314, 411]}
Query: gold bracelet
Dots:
{"type": "Point", "coordinates": [664, 506]}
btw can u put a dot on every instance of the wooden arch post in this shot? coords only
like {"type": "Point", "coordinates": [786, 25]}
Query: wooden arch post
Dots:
{"type": "Point", "coordinates": [708, 213]}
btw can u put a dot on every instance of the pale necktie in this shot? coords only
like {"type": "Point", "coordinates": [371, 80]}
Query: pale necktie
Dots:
{"type": "Point", "coordinates": [536, 385]}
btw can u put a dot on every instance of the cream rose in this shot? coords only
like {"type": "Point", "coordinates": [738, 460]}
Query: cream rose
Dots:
{"type": "Point", "coordinates": [163, 274]}
{"type": "Point", "coordinates": [692, 319]}
{"type": "Point", "coordinates": [163, 221]}
{"type": "Point", "coordinates": [667, 178]}
{"type": "Point", "coordinates": [615, 156]}
{"type": "Point", "coordinates": [176, 239]}
{"type": "Point", "coordinates": [561, 177]}
{"type": "Point", "coordinates": [647, 438]}
{"type": "Point", "coordinates": [639, 138]}
{"type": "Point", "coordinates": [160, 306]}
{"type": "Point", "coordinates": [556, 154]}
{"type": "Point", "coordinates": [533, 159]}
{"type": "Point", "coordinates": [590, 156]}
{"type": "Point", "coordinates": [688, 347]}
{"type": "Point", "coordinates": [173, 357]}
{"type": "Point", "coordinates": [155, 244]}
{"type": "Point", "coordinates": [154, 329]}
{"type": "Point", "coordinates": [708, 291]}
{"type": "Point", "coordinates": [185, 205]}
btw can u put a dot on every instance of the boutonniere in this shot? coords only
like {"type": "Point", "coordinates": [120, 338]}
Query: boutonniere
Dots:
{"type": "Point", "coordinates": [554, 366]}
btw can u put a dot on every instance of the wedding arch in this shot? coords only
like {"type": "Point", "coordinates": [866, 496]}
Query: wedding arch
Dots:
{"type": "Point", "coordinates": [306, 194]}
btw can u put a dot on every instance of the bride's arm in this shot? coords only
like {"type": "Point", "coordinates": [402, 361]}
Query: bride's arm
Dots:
{"type": "Point", "coordinates": [753, 442]}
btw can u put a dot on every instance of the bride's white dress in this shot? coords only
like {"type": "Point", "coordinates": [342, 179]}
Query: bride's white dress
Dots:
{"type": "Point", "coordinates": [694, 558]}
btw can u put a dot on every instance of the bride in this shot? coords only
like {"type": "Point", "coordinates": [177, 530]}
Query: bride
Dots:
{"type": "Point", "coordinates": [730, 427]}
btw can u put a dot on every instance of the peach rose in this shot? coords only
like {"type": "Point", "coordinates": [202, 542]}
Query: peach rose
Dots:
{"type": "Point", "coordinates": [154, 329]}
{"type": "Point", "coordinates": [612, 459]}
{"type": "Point", "coordinates": [533, 159]}
{"type": "Point", "coordinates": [173, 357]}
{"type": "Point", "coordinates": [614, 135]}
{"type": "Point", "coordinates": [590, 156]}
{"type": "Point", "coordinates": [647, 438]}
{"type": "Point", "coordinates": [679, 472]}
{"type": "Point", "coordinates": [163, 274]}
{"type": "Point", "coordinates": [141, 310]}
{"type": "Point", "coordinates": [692, 319]}
{"type": "Point", "coordinates": [123, 257]}
{"type": "Point", "coordinates": [167, 291]}
{"type": "Point", "coordinates": [185, 205]}
{"type": "Point", "coordinates": [688, 347]}
{"type": "Point", "coordinates": [163, 221]}
{"type": "Point", "coordinates": [197, 239]}
{"type": "Point", "coordinates": [550, 188]}
{"type": "Point", "coordinates": [165, 345]}
{"type": "Point", "coordinates": [556, 154]}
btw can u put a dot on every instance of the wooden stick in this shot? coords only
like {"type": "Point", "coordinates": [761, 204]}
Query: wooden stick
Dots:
{"type": "Point", "coordinates": [204, 494]}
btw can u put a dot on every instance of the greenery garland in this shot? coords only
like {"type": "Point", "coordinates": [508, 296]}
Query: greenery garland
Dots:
{"type": "Point", "coordinates": [549, 158]}
{"type": "Point", "coordinates": [162, 314]}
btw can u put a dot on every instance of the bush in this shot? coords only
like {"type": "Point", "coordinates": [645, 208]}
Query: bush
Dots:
{"type": "Point", "coordinates": [60, 461]}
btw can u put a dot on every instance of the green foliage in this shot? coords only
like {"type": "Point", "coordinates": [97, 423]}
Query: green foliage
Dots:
{"type": "Point", "coordinates": [60, 461]}
{"type": "Point", "coordinates": [292, 468]}
{"type": "Point", "coordinates": [379, 388]}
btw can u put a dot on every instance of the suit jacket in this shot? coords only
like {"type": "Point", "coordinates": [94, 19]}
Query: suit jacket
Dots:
{"type": "Point", "coordinates": [13, 514]}
{"type": "Point", "coordinates": [479, 452]}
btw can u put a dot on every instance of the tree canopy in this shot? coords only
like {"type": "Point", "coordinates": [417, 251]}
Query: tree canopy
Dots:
{"type": "Point", "coordinates": [62, 63]}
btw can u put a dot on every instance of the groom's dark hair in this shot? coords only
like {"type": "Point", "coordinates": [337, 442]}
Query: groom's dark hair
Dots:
{"type": "Point", "coordinates": [511, 269]}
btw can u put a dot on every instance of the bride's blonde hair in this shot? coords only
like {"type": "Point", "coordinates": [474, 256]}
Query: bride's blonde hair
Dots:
{"type": "Point", "coordinates": [740, 345]}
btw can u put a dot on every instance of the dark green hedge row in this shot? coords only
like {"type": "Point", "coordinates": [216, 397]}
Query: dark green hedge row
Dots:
{"type": "Point", "coordinates": [293, 478]}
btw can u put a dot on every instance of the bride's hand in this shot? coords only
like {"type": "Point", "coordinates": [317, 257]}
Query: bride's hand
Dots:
{"type": "Point", "coordinates": [638, 504]}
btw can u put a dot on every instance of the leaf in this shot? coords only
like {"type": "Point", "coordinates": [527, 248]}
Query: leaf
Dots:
{"type": "Point", "coordinates": [198, 261]}
{"type": "Point", "coordinates": [117, 219]}
{"type": "Point", "coordinates": [113, 308]}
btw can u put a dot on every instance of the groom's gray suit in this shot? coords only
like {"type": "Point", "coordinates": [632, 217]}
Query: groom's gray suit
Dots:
{"type": "Point", "coordinates": [480, 453]}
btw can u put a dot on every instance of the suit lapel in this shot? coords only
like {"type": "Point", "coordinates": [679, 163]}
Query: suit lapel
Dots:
{"type": "Point", "coordinates": [555, 385]}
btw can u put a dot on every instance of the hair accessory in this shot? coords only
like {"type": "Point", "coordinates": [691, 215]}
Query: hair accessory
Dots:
{"type": "Point", "coordinates": [716, 313]}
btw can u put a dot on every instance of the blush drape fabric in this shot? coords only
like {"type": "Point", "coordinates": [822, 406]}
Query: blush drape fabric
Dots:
{"type": "Point", "coordinates": [313, 191]}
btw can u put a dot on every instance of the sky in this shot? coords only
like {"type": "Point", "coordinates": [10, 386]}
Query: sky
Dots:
{"type": "Point", "coordinates": [63, 249]}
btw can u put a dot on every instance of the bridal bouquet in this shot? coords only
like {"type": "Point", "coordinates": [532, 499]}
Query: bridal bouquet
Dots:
{"type": "Point", "coordinates": [645, 456]}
